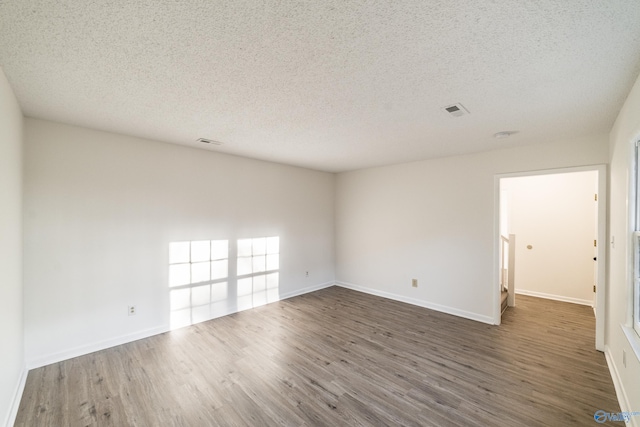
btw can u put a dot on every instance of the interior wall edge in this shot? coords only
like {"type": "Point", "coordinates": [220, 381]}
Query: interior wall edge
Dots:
{"type": "Point", "coordinates": [48, 359]}
{"type": "Point", "coordinates": [419, 302]}
{"type": "Point", "coordinates": [12, 335]}
{"type": "Point", "coordinates": [307, 290]}
{"type": "Point", "coordinates": [623, 399]}
{"type": "Point", "coordinates": [554, 297]}
{"type": "Point", "coordinates": [17, 397]}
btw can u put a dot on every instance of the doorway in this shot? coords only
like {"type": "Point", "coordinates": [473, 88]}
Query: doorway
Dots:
{"type": "Point", "coordinates": [558, 219]}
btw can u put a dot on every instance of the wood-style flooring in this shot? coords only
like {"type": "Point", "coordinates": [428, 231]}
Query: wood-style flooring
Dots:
{"type": "Point", "coordinates": [338, 357]}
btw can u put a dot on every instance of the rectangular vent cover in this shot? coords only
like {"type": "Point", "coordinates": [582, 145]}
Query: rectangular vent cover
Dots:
{"type": "Point", "coordinates": [209, 141]}
{"type": "Point", "coordinates": [456, 110]}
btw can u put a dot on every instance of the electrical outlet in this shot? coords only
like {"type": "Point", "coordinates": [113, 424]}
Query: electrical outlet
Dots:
{"type": "Point", "coordinates": [132, 310]}
{"type": "Point", "coordinates": [414, 283]}
{"type": "Point", "coordinates": [624, 358]}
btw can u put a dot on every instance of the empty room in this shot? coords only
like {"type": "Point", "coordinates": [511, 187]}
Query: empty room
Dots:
{"type": "Point", "coordinates": [293, 213]}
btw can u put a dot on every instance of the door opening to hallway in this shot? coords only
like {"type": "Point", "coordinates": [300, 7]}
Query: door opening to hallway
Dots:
{"type": "Point", "coordinates": [554, 219]}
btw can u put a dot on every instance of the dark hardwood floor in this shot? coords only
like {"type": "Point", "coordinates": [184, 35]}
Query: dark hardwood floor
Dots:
{"type": "Point", "coordinates": [338, 357]}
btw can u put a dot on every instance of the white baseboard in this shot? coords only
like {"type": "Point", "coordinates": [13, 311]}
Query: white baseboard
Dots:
{"type": "Point", "coordinates": [554, 297]}
{"type": "Point", "coordinates": [48, 359]}
{"type": "Point", "coordinates": [623, 400]}
{"type": "Point", "coordinates": [307, 290]}
{"type": "Point", "coordinates": [17, 396]}
{"type": "Point", "coordinates": [421, 303]}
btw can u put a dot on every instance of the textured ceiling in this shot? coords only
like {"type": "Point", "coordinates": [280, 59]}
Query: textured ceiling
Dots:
{"type": "Point", "coordinates": [332, 85]}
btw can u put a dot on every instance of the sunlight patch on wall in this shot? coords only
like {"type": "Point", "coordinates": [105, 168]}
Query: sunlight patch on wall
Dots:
{"type": "Point", "coordinates": [203, 284]}
{"type": "Point", "coordinates": [198, 278]}
{"type": "Point", "coordinates": [257, 265]}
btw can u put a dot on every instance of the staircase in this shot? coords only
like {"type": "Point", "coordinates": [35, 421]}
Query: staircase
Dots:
{"type": "Point", "coordinates": [507, 267]}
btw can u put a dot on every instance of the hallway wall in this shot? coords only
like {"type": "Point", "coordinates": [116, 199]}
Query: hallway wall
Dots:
{"type": "Point", "coordinates": [554, 219]}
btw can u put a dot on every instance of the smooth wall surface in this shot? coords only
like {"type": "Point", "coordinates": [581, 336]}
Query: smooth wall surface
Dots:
{"type": "Point", "coordinates": [102, 209]}
{"type": "Point", "coordinates": [12, 367]}
{"type": "Point", "coordinates": [624, 134]}
{"type": "Point", "coordinates": [434, 221]}
{"type": "Point", "coordinates": [554, 215]}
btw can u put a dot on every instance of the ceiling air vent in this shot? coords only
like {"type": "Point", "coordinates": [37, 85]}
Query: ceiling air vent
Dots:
{"type": "Point", "coordinates": [456, 110]}
{"type": "Point", "coordinates": [208, 141]}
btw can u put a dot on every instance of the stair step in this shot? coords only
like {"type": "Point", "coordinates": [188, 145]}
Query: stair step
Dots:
{"type": "Point", "coordinates": [503, 300]}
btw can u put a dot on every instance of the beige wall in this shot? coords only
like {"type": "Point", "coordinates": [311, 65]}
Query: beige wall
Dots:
{"type": "Point", "coordinates": [554, 214]}
{"type": "Point", "coordinates": [101, 210]}
{"type": "Point", "coordinates": [12, 369]}
{"type": "Point", "coordinates": [623, 135]}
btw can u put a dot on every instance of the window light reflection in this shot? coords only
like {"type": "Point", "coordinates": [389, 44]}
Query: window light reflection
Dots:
{"type": "Point", "coordinates": [198, 281]}
{"type": "Point", "coordinates": [200, 285]}
{"type": "Point", "coordinates": [257, 265]}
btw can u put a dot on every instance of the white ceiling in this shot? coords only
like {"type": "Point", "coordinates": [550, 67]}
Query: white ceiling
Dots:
{"type": "Point", "coordinates": [332, 85]}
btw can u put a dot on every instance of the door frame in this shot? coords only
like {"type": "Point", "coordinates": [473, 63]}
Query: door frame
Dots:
{"type": "Point", "coordinates": [600, 308]}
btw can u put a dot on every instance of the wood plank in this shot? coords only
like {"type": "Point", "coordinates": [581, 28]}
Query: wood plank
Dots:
{"type": "Point", "coordinates": [336, 357]}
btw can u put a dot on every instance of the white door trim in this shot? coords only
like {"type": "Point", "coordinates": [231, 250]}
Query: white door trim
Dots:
{"type": "Point", "coordinates": [602, 241]}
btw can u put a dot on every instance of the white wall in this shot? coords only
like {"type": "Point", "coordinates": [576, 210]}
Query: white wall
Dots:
{"type": "Point", "coordinates": [433, 220]}
{"type": "Point", "coordinates": [101, 210]}
{"type": "Point", "coordinates": [12, 368]}
{"type": "Point", "coordinates": [624, 133]}
{"type": "Point", "coordinates": [555, 214]}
